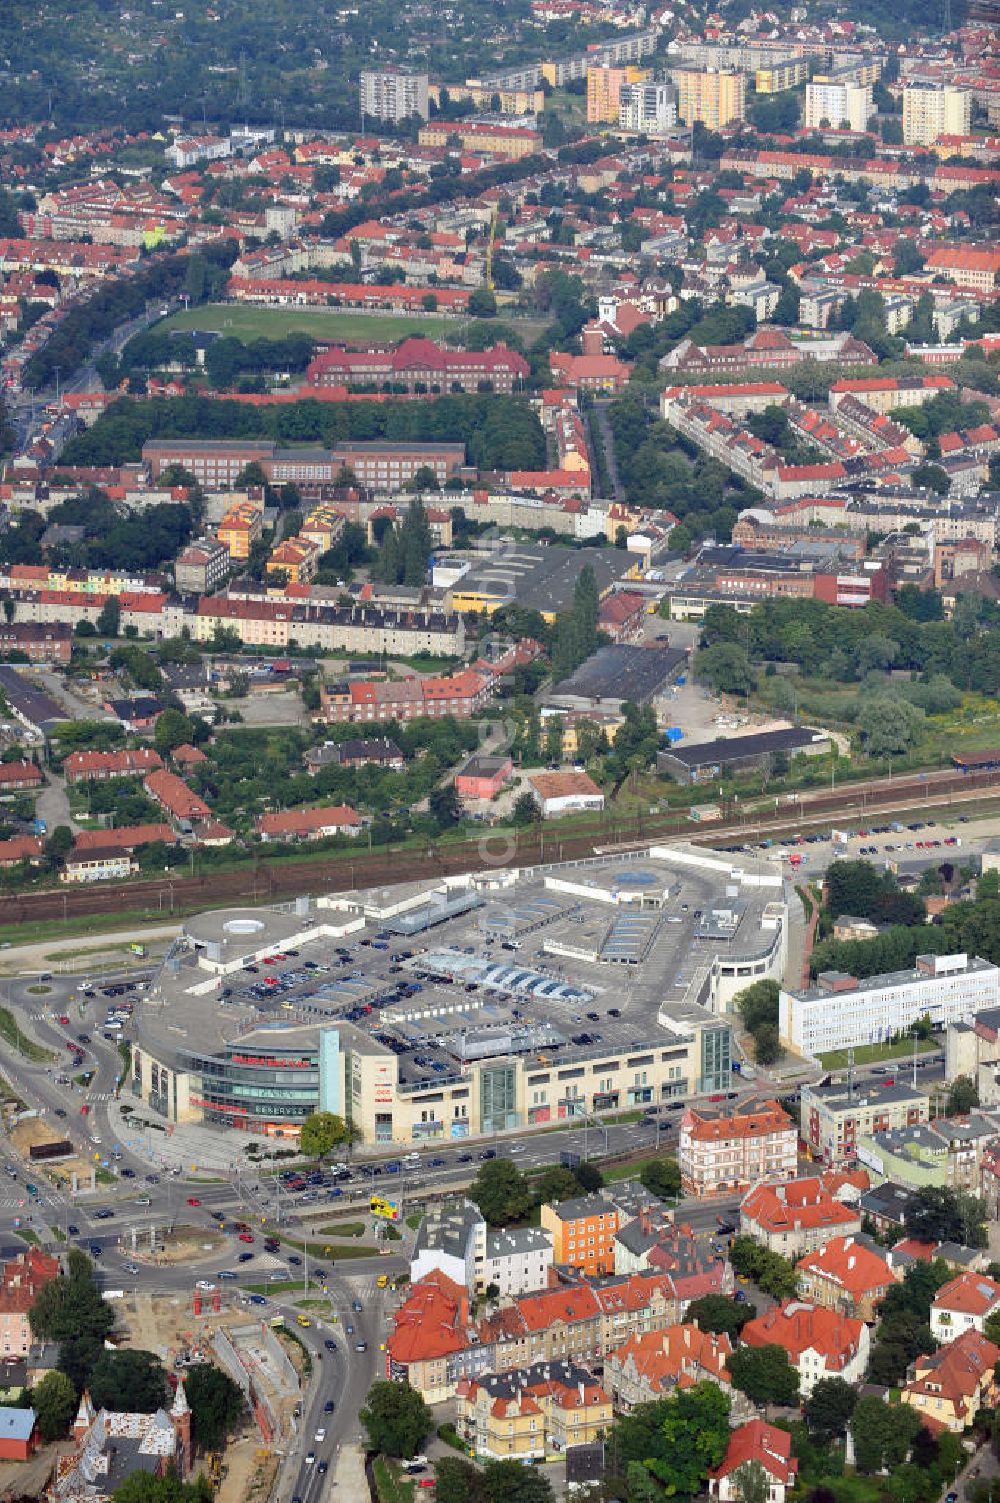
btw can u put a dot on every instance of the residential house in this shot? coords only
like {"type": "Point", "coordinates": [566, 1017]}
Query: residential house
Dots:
{"type": "Point", "coordinates": [731, 1152]}
{"type": "Point", "coordinates": [379, 752]}
{"type": "Point", "coordinates": [951, 1385]}
{"type": "Point", "coordinates": [964, 1304]}
{"type": "Point", "coordinates": [15, 776]}
{"type": "Point", "coordinates": [846, 1274]}
{"type": "Point", "coordinates": [101, 767]}
{"type": "Point", "coordinates": [531, 1414]}
{"type": "Point", "coordinates": [175, 797]}
{"type": "Point", "coordinates": [483, 777]}
{"type": "Point", "coordinates": [19, 1436]}
{"type": "Point", "coordinates": [820, 1342]}
{"type": "Point", "coordinates": [654, 1365]}
{"type": "Point", "coordinates": [759, 1442]}
{"type": "Point", "coordinates": [21, 1281]}
{"type": "Point", "coordinates": [430, 1329]}
{"type": "Point", "coordinates": [795, 1216]}
{"type": "Point", "coordinates": [310, 824]}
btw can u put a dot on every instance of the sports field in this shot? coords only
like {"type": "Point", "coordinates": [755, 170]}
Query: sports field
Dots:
{"type": "Point", "coordinates": [323, 323]}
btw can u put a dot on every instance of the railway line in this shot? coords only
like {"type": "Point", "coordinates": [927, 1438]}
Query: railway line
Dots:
{"type": "Point", "coordinates": [283, 878]}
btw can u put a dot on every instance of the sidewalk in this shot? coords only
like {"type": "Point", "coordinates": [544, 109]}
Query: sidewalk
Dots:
{"type": "Point", "coordinates": [185, 1145]}
{"type": "Point", "coordinates": [349, 1472]}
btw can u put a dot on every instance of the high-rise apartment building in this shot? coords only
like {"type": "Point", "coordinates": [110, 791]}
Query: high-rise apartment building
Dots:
{"type": "Point", "coordinates": [830, 103]}
{"type": "Point", "coordinates": [649, 107]}
{"type": "Point", "coordinates": [391, 94]}
{"type": "Point", "coordinates": [713, 97]}
{"type": "Point", "coordinates": [604, 87]}
{"type": "Point", "coordinates": [930, 112]}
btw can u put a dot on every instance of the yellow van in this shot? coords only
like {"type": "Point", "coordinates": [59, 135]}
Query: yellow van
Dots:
{"type": "Point", "coordinates": [382, 1280]}
{"type": "Point", "coordinates": [302, 1320]}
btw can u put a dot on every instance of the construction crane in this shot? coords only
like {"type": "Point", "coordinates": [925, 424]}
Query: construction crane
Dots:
{"type": "Point", "coordinates": [490, 242]}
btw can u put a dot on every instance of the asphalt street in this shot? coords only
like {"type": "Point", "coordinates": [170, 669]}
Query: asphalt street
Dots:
{"type": "Point", "coordinates": [114, 1221]}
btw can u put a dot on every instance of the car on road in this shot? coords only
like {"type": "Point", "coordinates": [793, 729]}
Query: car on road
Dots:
{"type": "Point", "coordinates": [303, 1320]}
{"type": "Point", "coordinates": [104, 1214]}
{"type": "Point", "coordinates": [225, 1273]}
{"type": "Point", "coordinates": [349, 1328]}
{"type": "Point", "coordinates": [72, 1231]}
{"type": "Point", "coordinates": [85, 1110]}
{"type": "Point", "coordinates": [95, 1249]}
{"type": "Point", "coordinates": [361, 1346]}
{"type": "Point", "coordinates": [205, 1284]}
{"type": "Point", "coordinates": [143, 1200]}
{"type": "Point", "coordinates": [323, 1468]}
{"type": "Point", "coordinates": [425, 1481]}
{"type": "Point", "coordinates": [64, 1020]}
{"type": "Point", "coordinates": [310, 1457]}
{"type": "Point", "coordinates": [244, 1257]}
{"type": "Point", "coordinates": [127, 1173]}
{"type": "Point", "coordinates": [294, 1259]}
{"type": "Point", "coordinates": [246, 1236]}
{"type": "Point", "coordinates": [258, 1299]}
{"type": "Point", "coordinates": [193, 1200]}
{"type": "Point", "coordinates": [60, 1111]}
{"type": "Point", "coordinates": [331, 1346]}
{"type": "Point", "coordinates": [328, 1407]}
{"type": "Point", "coordinates": [320, 1435]}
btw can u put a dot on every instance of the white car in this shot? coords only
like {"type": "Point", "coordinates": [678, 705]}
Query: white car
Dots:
{"type": "Point", "coordinates": [320, 1435]}
{"type": "Point", "coordinates": [310, 1458]}
{"type": "Point", "coordinates": [205, 1284]}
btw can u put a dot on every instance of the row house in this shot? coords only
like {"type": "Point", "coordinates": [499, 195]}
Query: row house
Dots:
{"type": "Point", "coordinates": [532, 1414]}
{"type": "Point", "coordinates": [309, 824]}
{"type": "Point", "coordinates": [175, 797]}
{"type": "Point", "coordinates": [101, 767]}
{"type": "Point", "coordinates": [17, 776]}
{"type": "Point", "coordinates": [48, 642]}
{"type": "Point", "coordinates": [654, 1365]}
{"type": "Point", "coordinates": [462, 694]}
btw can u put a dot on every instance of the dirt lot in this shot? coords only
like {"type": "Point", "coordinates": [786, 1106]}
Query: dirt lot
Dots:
{"type": "Point", "coordinates": [33, 1130]}
{"type": "Point", "coordinates": [183, 1244]}
{"type": "Point", "coordinates": [249, 1472]}
{"type": "Point", "coordinates": [285, 708]}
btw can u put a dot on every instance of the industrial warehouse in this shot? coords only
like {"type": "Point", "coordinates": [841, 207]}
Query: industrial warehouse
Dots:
{"type": "Point", "coordinates": [488, 1003]}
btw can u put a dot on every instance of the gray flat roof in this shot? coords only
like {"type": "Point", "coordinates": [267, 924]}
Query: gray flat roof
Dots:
{"type": "Point", "coordinates": [622, 672]}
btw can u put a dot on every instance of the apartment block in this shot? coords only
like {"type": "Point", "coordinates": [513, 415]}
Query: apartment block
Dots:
{"type": "Point", "coordinates": [930, 112]}
{"type": "Point", "coordinates": [833, 1118]}
{"type": "Point", "coordinates": [531, 1414]}
{"type": "Point", "coordinates": [841, 105]}
{"type": "Point", "coordinates": [774, 78]}
{"type": "Point", "coordinates": [649, 107]}
{"type": "Point", "coordinates": [714, 98]}
{"type": "Point", "coordinates": [846, 1274]}
{"type": "Point", "coordinates": [583, 1233]}
{"type": "Point", "coordinates": [794, 1216]}
{"type": "Point", "coordinates": [820, 1342]}
{"type": "Point", "coordinates": [392, 94]}
{"type": "Point", "coordinates": [726, 1153]}
{"type": "Point", "coordinates": [201, 566]}
{"type": "Point", "coordinates": [840, 1011]}
{"type": "Point", "coordinates": [240, 528]}
{"type": "Point", "coordinates": [604, 87]}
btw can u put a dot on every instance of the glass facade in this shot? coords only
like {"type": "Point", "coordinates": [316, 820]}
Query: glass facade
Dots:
{"type": "Point", "coordinates": [259, 1089]}
{"type": "Point", "coordinates": [497, 1098]}
{"type": "Point", "coordinates": [716, 1058]}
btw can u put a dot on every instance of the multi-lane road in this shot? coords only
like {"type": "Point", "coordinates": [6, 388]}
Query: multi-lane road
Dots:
{"type": "Point", "coordinates": [145, 1195]}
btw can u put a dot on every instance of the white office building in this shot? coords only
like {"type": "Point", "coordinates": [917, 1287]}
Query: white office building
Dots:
{"type": "Point", "coordinates": [840, 1011]}
{"type": "Point", "coordinates": [391, 94]}
{"type": "Point", "coordinates": [454, 1240]}
{"type": "Point", "coordinates": [649, 107]}
{"type": "Point", "coordinates": [840, 105]}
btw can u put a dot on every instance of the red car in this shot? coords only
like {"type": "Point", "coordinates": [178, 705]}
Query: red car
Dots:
{"type": "Point", "coordinates": [193, 1200]}
{"type": "Point", "coordinates": [64, 1020]}
{"type": "Point", "coordinates": [85, 1110]}
{"type": "Point", "coordinates": [246, 1237]}
{"type": "Point", "coordinates": [719, 1096]}
{"type": "Point", "coordinates": [426, 1482]}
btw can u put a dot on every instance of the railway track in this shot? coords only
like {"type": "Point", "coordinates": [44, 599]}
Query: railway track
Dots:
{"type": "Point", "coordinates": [282, 878]}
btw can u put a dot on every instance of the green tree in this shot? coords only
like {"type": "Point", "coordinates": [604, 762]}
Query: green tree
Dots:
{"type": "Point", "coordinates": [458, 1481]}
{"type": "Point", "coordinates": [173, 729]}
{"type": "Point", "coordinates": [829, 1407]}
{"type": "Point", "coordinates": [445, 806]}
{"type": "Point", "coordinates": [109, 617]}
{"type": "Point", "coordinates": [888, 726]}
{"type": "Point", "coordinates": [321, 1132]}
{"type": "Point", "coordinates": [482, 303]}
{"type": "Point", "coordinates": [216, 1404]}
{"type": "Point", "coordinates": [764, 1374]}
{"type": "Point", "coordinates": [718, 1313]}
{"type": "Point", "coordinates": [753, 1484]}
{"type": "Point", "coordinates": [128, 1379]}
{"type": "Point", "coordinates": [57, 847]}
{"type": "Point", "coordinates": [963, 1096]}
{"type": "Point", "coordinates": [940, 1214]}
{"type": "Point", "coordinates": [54, 1401]}
{"type": "Point", "coordinates": [882, 1434]}
{"type": "Point", "coordinates": [511, 1482]}
{"type": "Point", "coordinates": [525, 810]}
{"type": "Point", "coordinates": [501, 1192]}
{"type": "Point", "coordinates": [726, 667]}
{"type": "Point", "coordinates": [557, 1183]}
{"type": "Point", "coordinates": [661, 1176]}
{"type": "Point", "coordinates": [148, 1487]}
{"type": "Point", "coordinates": [396, 1419]}
{"type": "Point", "coordinates": [677, 1441]}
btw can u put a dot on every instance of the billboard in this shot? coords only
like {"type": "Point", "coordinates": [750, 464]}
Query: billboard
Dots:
{"type": "Point", "coordinates": [380, 1206]}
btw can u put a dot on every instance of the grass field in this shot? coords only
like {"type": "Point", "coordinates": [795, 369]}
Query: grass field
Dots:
{"type": "Point", "coordinates": [15, 1036]}
{"type": "Point", "coordinates": [331, 323]}
{"type": "Point", "coordinates": [322, 323]}
{"type": "Point", "coordinates": [866, 1054]}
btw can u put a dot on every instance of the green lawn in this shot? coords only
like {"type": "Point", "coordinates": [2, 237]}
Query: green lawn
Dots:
{"type": "Point", "coordinates": [865, 1054]}
{"type": "Point", "coordinates": [389, 1485]}
{"type": "Point", "coordinates": [323, 323]}
{"type": "Point", "coordinates": [11, 1031]}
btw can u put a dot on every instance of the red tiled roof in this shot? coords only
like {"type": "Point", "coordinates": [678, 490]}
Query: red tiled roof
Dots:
{"type": "Point", "coordinates": [970, 1293]}
{"type": "Point", "coordinates": [309, 821]}
{"type": "Point", "coordinates": [799, 1327]}
{"type": "Point", "coordinates": [764, 1443]}
{"type": "Point", "coordinates": [850, 1265]}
